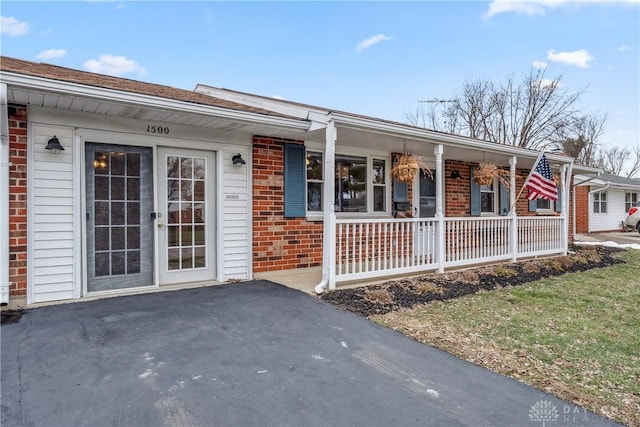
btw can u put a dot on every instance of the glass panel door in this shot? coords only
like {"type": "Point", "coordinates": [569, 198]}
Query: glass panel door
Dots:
{"type": "Point", "coordinates": [186, 227]}
{"type": "Point", "coordinates": [119, 202]}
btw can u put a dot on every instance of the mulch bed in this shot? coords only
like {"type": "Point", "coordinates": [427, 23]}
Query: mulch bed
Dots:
{"type": "Point", "coordinates": [385, 297]}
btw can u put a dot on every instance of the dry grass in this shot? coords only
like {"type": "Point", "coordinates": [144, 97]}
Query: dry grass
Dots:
{"type": "Point", "coordinates": [576, 336]}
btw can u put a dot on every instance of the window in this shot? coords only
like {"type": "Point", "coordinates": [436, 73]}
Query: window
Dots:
{"type": "Point", "coordinates": [379, 178]}
{"type": "Point", "coordinates": [488, 198]}
{"type": "Point", "coordinates": [544, 205]}
{"type": "Point", "coordinates": [630, 199]}
{"type": "Point", "coordinates": [351, 184]}
{"type": "Point", "coordinates": [600, 202]}
{"type": "Point", "coordinates": [314, 181]}
{"type": "Point", "coordinates": [361, 183]}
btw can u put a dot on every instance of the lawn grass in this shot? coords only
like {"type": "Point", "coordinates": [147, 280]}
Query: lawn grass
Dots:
{"type": "Point", "coordinates": [576, 336]}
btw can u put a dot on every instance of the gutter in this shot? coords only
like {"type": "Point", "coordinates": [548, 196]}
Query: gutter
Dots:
{"type": "Point", "coordinates": [4, 195]}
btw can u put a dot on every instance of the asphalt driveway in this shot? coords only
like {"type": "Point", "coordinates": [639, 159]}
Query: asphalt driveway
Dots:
{"type": "Point", "coordinates": [250, 354]}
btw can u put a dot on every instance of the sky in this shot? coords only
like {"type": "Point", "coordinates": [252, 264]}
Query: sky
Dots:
{"type": "Point", "coordinates": [373, 58]}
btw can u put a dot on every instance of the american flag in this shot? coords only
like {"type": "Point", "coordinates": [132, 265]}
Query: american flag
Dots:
{"type": "Point", "coordinates": [540, 181]}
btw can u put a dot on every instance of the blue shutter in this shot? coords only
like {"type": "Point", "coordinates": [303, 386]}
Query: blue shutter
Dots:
{"type": "Point", "coordinates": [559, 201]}
{"type": "Point", "coordinates": [504, 199]}
{"type": "Point", "coordinates": [533, 205]}
{"type": "Point", "coordinates": [295, 181]}
{"type": "Point", "coordinates": [475, 195]}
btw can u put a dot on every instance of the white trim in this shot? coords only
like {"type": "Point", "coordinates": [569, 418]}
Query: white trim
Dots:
{"type": "Point", "coordinates": [219, 212]}
{"type": "Point", "coordinates": [79, 245]}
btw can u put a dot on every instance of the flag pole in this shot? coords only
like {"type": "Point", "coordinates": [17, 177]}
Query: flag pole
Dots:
{"type": "Point", "coordinates": [526, 180]}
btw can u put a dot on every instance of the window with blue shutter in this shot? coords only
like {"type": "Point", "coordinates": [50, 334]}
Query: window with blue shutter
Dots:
{"type": "Point", "coordinates": [295, 183]}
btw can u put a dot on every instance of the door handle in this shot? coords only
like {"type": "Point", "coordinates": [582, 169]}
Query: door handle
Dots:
{"type": "Point", "coordinates": [160, 224]}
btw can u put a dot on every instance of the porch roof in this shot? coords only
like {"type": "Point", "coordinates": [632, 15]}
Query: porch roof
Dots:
{"type": "Point", "coordinates": [608, 180]}
{"type": "Point", "coordinates": [356, 130]}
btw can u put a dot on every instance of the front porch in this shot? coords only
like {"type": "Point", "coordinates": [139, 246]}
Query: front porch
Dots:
{"type": "Point", "coordinates": [375, 250]}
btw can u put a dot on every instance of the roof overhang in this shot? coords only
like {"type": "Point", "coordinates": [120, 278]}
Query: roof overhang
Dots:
{"type": "Point", "coordinates": [73, 97]}
{"type": "Point", "coordinates": [455, 146]}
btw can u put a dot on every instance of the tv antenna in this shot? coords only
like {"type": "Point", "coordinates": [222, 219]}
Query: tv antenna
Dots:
{"type": "Point", "coordinates": [438, 101]}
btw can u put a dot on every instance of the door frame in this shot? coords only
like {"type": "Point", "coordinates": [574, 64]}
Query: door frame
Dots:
{"type": "Point", "coordinates": [84, 135]}
{"type": "Point", "coordinates": [211, 243]}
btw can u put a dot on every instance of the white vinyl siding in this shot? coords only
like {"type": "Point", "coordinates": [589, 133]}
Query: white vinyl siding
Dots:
{"type": "Point", "coordinates": [235, 211]}
{"type": "Point", "coordinates": [51, 207]}
{"type": "Point", "coordinates": [612, 219]}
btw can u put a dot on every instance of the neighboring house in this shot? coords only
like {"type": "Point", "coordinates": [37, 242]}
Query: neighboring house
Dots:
{"type": "Point", "coordinates": [158, 186]}
{"type": "Point", "coordinates": [602, 202]}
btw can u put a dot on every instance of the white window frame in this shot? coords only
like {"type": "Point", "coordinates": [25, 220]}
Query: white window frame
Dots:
{"type": "Point", "coordinates": [598, 200]}
{"type": "Point", "coordinates": [630, 199]}
{"type": "Point", "coordinates": [496, 194]}
{"type": "Point", "coordinates": [369, 156]}
{"type": "Point", "coordinates": [551, 208]}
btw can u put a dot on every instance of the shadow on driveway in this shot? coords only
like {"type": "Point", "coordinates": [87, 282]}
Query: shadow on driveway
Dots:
{"type": "Point", "coordinates": [249, 354]}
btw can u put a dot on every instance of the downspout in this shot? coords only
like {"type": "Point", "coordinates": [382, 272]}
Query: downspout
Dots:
{"type": "Point", "coordinates": [328, 206]}
{"type": "Point", "coordinates": [4, 195]}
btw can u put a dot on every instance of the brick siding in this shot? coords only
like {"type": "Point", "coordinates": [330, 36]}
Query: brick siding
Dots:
{"type": "Point", "coordinates": [279, 243]}
{"type": "Point", "coordinates": [582, 209]}
{"type": "Point", "coordinates": [18, 200]}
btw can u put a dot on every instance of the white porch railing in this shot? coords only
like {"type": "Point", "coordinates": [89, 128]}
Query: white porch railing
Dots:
{"type": "Point", "coordinates": [540, 236]}
{"type": "Point", "coordinates": [476, 240]}
{"type": "Point", "coordinates": [377, 247]}
{"type": "Point", "coordinates": [383, 247]}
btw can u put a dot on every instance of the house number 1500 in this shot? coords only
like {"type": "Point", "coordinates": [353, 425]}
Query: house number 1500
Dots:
{"type": "Point", "coordinates": [158, 129]}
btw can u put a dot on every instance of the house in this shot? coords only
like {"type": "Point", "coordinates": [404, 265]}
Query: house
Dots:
{"type": "Point", "coordinates": [602, 201]}
{"type": "Point", "coordinates": [113, 186]}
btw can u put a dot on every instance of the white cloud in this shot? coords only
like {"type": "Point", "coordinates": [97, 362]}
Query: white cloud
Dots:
{"type": "Point", "coordinates": [623, 47]}
{"type": "Point", "coordinates": [364, 44]}
{"type": "Point", "coordinates": [11, 26]}
{"type": "Point", "coordinates": [114, 65]}
{"type": "Point", "coordinates": [51, 54]}
{"type": "Point", "coordinates": [539, 64]}
{"type": "Point", "coordinates": [540, 7]}
{"type": "Point", "coordinates": [579, 58]}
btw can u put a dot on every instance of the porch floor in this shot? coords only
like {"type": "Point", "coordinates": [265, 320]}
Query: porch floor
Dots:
{"type": "Point", "coordinates": [306, 279]}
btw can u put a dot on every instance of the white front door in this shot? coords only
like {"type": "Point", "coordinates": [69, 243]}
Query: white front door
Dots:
{"type": "Point", "coordinates": [186, 217]}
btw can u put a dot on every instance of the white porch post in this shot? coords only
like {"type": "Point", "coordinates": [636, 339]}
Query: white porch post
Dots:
{"type": "Point", "coordinates": [563, 209]}
{"type": "Point", "coordinates": [439, 212]}
{"type": "Point", "coordinates": [513, 212]}
{"type": "Point", "coordinates": [329, 205]}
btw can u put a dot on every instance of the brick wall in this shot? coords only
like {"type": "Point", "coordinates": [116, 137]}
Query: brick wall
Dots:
{"type": "Point", "coordinates": [18, 200]}
{"type": "Point", "coordinates": [457, 191]}
{"type": "Point", "coordinates": [279, 243]}
{"type": "Point", "coordinates": [582, 209]}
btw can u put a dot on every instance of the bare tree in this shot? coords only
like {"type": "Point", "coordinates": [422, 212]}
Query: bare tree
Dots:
{"type": "Point", "coordinates": [579, 138]}
{"type": "Point", "coordinates": [635, 166]}
{"type": "Point", "coordinates": [525, 113]}
{"type": "Point", "coordinates": [612, 160]}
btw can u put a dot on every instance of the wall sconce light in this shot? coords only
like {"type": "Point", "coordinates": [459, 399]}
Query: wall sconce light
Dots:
{"type": "Point", "coordinates": [455, 174]}
{"type": "Point", "coordinates": [54, 146]}
{"type": "Point", "coordinates": [238, 160]}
